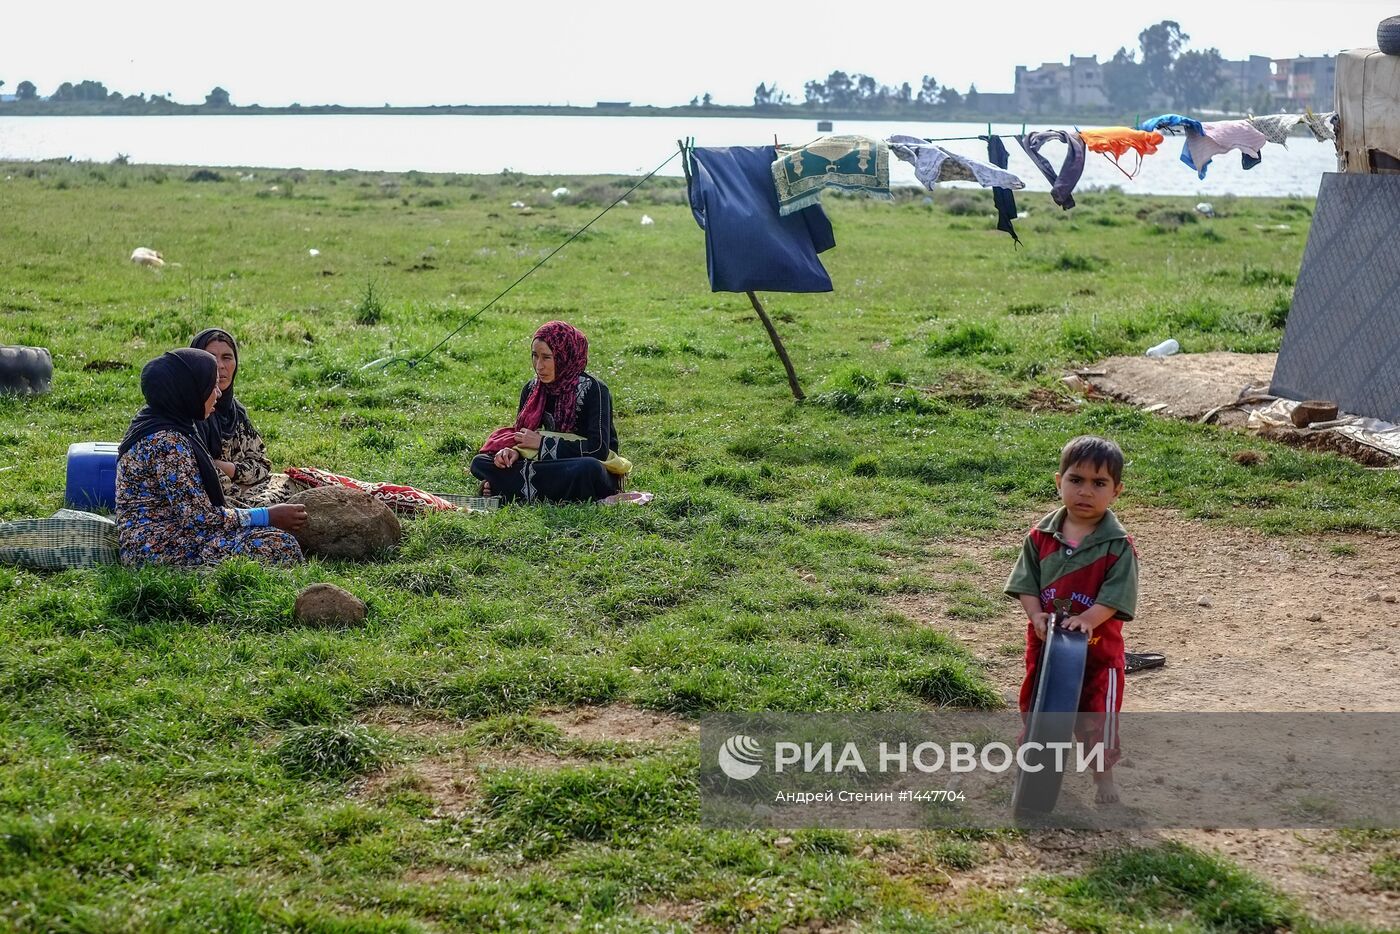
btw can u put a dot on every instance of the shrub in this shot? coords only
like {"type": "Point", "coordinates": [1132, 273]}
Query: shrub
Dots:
{"type": "Point", "coordinates": [370, 310]}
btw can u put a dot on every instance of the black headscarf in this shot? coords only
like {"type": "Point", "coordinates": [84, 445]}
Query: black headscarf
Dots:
{"type": "Point", "coordinates": [229, 413]}
{"type": "Point", "coordinates": [175, 385]}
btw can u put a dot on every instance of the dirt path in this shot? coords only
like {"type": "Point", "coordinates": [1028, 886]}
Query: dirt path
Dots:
{"type": "Point", "coordinates": [1248, 623]}
{"type": "Point", "coordinates": [1254, 647]}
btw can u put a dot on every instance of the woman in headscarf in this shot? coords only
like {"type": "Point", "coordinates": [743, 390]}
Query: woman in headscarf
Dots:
{"type": "Point", "coordinates": [245, 473]}
{"type": "Point", "coordinates": [563, 432]}
{"type": "Point", "coordinates": [170, 503]}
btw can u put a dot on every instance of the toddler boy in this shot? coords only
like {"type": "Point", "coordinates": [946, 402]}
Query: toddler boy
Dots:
{"type": "Point", "coordinates": [1081, 553]}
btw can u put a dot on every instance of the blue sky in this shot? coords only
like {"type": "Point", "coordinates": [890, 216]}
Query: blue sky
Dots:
{"type": "Point", "coordinates": [551, 52]}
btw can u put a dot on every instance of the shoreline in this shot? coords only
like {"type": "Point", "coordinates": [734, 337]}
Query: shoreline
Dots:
{"type": "Point", "coordinates": [299, 174]}
{"type": "Point", "coordinates": [16, 109]}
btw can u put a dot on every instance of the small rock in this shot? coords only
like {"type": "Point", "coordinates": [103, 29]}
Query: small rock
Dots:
{"type": "Point", "coordinates": [867, 852]}
{"type": "Point", "coordinates": [329, 605]}
{"type": "Point", "coordinates": [346, 523]}
{"type": "Point", "coordinates": [1373, 597]}
{"type": "Point", "coordinates": [783, 843]}
{"type": "Point", "coordinates": [1314, 617]}
{"type": "Point", "coordinates": [1203, 601]}
{"type": "Point", "coordinates": [1391, 598]}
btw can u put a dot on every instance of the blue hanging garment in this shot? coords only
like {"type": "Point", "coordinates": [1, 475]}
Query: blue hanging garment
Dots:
{"type": "Point", "coordinates": [1004, 200]}
{"type": "Point", "coordinates": [749, 247]}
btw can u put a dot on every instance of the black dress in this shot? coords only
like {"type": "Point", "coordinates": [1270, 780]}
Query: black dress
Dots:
{"type": "Point", "coordinates": [564, 471]}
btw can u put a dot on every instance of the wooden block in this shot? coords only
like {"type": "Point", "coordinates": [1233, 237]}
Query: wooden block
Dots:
{"type": "Point", "coordinates": [1314, 410]}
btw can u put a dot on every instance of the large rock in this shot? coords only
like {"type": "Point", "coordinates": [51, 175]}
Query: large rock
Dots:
{"type": "Point", "coordinates": [329, 605]}
{"type": "Point", "coordinates": [345, 523]}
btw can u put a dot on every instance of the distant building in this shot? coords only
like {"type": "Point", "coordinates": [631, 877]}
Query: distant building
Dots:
{"type": "Point", "coordinates": [1054, 86]}
{"type": "Point", "coordinates": [613, 105]}
{"type": "Point", "coordinates": [1245, 81]}
{"type": "Point", "coordinates": [1305, 82]}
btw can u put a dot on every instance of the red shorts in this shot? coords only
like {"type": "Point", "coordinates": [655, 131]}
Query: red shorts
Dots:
{"type": "Point", "coordinates": [1100, 701]}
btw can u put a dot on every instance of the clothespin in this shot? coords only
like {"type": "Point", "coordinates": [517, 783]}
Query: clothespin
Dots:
{"type": "Point", "coordinates": [1023, 128]}
{"type": "Point", "coordinates": [989, 131]}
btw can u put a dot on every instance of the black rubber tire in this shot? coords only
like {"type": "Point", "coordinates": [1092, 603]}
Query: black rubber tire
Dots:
{"type": "Point", "coordinates": [25, 371]}
{"type": "Point", "coordinates": [1388, 35]}
{"type": "Point", "coordinates": [1054, 709]}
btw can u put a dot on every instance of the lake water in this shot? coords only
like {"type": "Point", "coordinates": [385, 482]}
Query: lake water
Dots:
{"type": "Point", "coordinates": [541, 145]}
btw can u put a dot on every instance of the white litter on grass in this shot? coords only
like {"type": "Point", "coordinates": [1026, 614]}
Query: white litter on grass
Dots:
{"type": "Point", "coordinates": [559, 192]}
{"type": "Point", "coordinates": [517, 204]}
{"type": "Point", "coordinates": [1164, 349]}
{"type": "Point", "coordinates": [313, 252]}
{"type": "Point", "coordinates": [622, 203]}
{"type": "Point", "coordinates": [647, 221]}
{"type": "Point", "coordinates": [1206, 208]}
{"type": "Point", "coordinates": [145, 256]}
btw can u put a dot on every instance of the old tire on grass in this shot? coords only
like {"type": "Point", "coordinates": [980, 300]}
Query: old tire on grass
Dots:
{"type": "Point", "coordinates": [1054, 708]}
{"type": "Point", "coordinates": [25, 371]}
{"type": "Point", "coordinates": [1388, 35]}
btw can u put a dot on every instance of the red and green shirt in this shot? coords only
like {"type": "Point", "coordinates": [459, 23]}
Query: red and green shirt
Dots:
{"type": "Point", "coordinates": [1102, 568]}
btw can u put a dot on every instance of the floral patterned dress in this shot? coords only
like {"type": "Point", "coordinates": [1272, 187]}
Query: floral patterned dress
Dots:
{"type": "Point", "coordinates": [164, 515]}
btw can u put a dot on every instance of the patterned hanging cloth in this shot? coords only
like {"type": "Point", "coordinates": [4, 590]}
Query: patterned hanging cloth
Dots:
{"type": "Point", "coordinates": [850, 163]}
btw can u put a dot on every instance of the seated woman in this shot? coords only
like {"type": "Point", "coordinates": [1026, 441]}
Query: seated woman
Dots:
{"type": "Point", "coordinates": [245, 472]}
{"type": "Point", "coordinates": [170, 504]}
{"type": "Point", "coordinates": [562, 403]}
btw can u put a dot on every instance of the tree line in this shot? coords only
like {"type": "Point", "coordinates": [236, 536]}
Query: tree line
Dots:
{"type": "Point", "coordinates": [89, 91]}
{"type": "Point", "coordinates": [1160, 72]}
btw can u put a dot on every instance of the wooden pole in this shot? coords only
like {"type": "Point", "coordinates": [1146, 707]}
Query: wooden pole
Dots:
{"type": "Point", "coordinates": [778, 346]}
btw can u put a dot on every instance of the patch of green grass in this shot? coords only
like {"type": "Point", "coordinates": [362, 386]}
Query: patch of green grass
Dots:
{"type": "Point", "coordinates": [1148, 882]}
{"type": "Point", "coordinates": [180, 724]}
{"type": "Point", "coordinates": [1386, 872]}
{"type": "Point", "coordinates": [332, 752]}
{"type": "Point", "coordinates": [541, 811]}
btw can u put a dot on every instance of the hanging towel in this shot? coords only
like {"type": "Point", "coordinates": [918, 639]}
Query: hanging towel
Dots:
{"type": "Point", "coordinates": [1276, 128]}
{"type": "Point", "coordinates": [1061, 183]}
{"type": "Point", "coordinates": [1171, 123]}
{"type": "Point", "coordinates": [933, 164]}
{"type": "Point", "coordinates": [748, 245]}
{"type": "Point", "coordinates": [1205, 141]}
{"type": "Point", "coordinates": [1117, 140]}
{"type": "Point", "coordinates": [1323, 126]}
{"type": "Point", "coordinates": [851, 163]}
{"type": "Point", "coordinates": [1003, 198]}
{"type": "Point", "coordinates": [1220, 137]}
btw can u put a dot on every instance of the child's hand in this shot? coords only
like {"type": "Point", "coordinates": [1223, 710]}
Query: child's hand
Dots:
{"type": "Point", "coordinates": [1081, 624]}
{"type": "Point", "coordinates": [1040, 621]}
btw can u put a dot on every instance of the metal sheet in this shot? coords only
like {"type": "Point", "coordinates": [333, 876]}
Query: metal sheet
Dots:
{"type": "Point", "coordinates": [1343, 333]}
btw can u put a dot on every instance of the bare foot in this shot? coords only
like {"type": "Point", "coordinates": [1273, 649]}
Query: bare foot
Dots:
{"type": "Point", "coordinates": [1105, 789]}
{"type": "Point", "coordinates": [485, 488]}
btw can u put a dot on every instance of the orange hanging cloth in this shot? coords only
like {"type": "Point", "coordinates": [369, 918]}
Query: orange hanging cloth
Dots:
{"type": "Point", "coordinates": [1117, 140]}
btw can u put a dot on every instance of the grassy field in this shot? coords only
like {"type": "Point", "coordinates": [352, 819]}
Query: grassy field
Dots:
{"type": "Point", "coordinates": [175, 754]}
